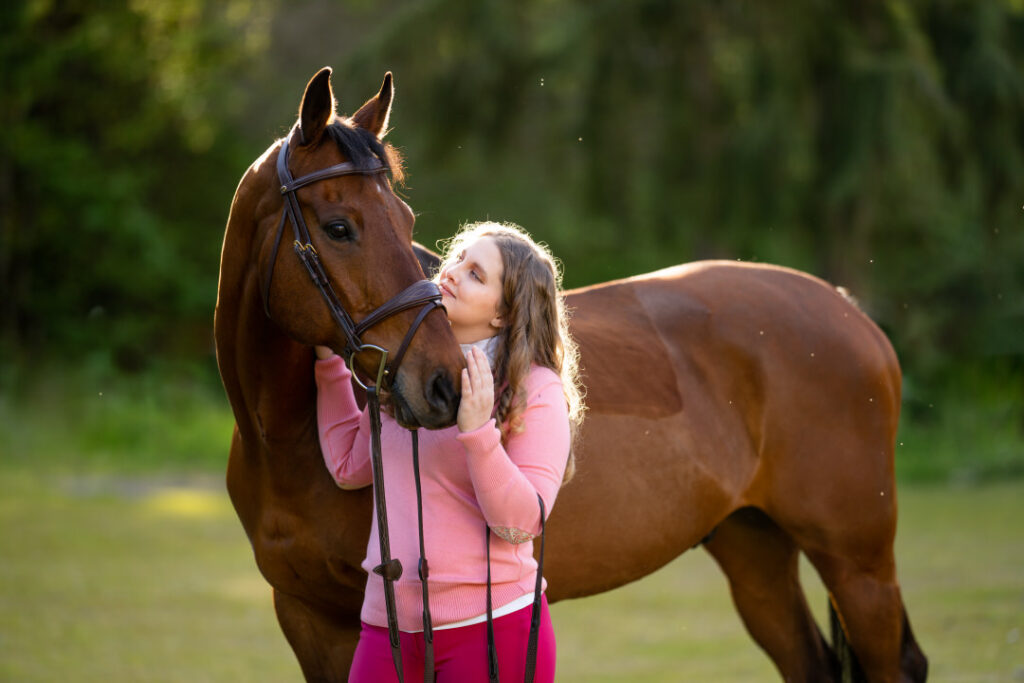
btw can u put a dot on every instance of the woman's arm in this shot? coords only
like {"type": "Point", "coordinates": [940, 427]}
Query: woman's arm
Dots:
{"type": "Point", "coordinates": [341, 424]}
{"type": "Point", "coordinates": [508, 480]}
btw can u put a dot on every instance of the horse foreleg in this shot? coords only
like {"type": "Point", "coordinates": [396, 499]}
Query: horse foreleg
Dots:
{"type": "Point", "coordinates": [761, 562]}
{"type": "Point", "coordinates": [324, 643]}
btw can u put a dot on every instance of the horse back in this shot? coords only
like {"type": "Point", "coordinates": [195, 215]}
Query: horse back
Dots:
{"type": "Point", "coordinates": [730, 328]}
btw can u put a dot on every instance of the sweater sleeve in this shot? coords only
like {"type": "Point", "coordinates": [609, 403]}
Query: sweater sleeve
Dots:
{"type": "Point", "coordinates": [341, 422]}
{"type": "Point", "coordinates": [507, 480]}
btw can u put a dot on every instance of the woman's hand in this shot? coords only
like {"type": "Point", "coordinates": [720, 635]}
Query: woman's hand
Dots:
{"type": "Point", "coordinates": [477, 392]}
{"type": "Point", "coordinates": [323, 352]}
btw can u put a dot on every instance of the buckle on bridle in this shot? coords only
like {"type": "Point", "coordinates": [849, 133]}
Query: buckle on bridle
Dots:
{"type": "Point", "coordinates": [381, 369]}
{"type": "Point", "coordinates": [301, 248]}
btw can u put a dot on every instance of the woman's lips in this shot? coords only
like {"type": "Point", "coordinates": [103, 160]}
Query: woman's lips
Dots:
{"type": "Point", "coordinates": [445, 290]}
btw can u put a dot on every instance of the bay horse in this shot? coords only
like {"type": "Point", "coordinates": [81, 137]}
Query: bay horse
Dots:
{"type": "Point", "coordinates": [749, 408]}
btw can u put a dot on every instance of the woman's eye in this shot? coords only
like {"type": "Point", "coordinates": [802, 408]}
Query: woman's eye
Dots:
{"type": "Point", "coordinates": [338, 230]}
{"type": "Point", "coordinates": [475, 275]}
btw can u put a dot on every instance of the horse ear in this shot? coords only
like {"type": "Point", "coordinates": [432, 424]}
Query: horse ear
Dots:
{"type": "Point", "coordinates": [317, 108]}
{"type": "Point", "coordinates": [373, 116]}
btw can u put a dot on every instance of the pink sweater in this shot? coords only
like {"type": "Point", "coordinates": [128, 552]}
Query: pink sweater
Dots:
{"type": "Point", "coordinates": [468, 480]}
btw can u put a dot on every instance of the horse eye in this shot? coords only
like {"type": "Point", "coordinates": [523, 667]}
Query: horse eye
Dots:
{"type": "Point", "coordinates": [338, 230]}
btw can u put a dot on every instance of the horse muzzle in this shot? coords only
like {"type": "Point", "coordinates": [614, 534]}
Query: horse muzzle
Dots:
{"type": "Point", "coordinates": [433, 405]}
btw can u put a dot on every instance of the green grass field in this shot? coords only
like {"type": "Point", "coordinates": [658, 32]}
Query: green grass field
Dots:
{"type": "Point", "coordinates": [108, 578]}
{"type": "Point", "coordinates": [121, 558]}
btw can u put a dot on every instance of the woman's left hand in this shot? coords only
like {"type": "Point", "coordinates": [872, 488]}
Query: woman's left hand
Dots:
{"type": "Point", "coordinates": [477, 392]}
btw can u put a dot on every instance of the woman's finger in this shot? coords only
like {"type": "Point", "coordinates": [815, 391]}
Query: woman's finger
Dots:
{"type": "Point", "coordinates": [486, 379]}
{"type": "Point", "coordinates": [474, 370]}
{"type": "Point", "coordinates": [482, 368]}
{"type": "Point", "coordinates": [485, 367]}
{"type": "Point", "coordinates": [467, 385]}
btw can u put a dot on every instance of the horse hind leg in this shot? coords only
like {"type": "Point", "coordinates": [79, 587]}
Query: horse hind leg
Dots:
{"type": "Point", "coordinates": [761, 562]}
{"type": "Point", "coordinates": [871, 618]}
{"type": "Point", "coordinates": [913, 663]}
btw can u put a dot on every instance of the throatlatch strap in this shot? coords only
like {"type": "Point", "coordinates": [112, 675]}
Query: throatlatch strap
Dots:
{"type": "Point", "coordinates": [531, 643]}
{"type": "Point", "coordinates": [424, 570]}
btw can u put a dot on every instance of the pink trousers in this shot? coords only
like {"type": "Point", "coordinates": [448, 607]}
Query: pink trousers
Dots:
{"type": "Point", "coordinates": [460, 654]}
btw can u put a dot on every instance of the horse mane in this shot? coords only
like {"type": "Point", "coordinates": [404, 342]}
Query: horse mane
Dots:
{"type": "Point", "coordinates": [361, 147]}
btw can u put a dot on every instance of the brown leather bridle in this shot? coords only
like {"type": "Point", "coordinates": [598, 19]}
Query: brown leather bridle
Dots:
{"type": "Point", "coordinates": [422, 293]}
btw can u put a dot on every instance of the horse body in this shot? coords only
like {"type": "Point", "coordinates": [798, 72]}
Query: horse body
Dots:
{"type": "Point", "coordinates": [705, 395]}
{"type": "Point", "coordinates": [750, 407]}
{"type": "Point", "coordinates": [756, 407]}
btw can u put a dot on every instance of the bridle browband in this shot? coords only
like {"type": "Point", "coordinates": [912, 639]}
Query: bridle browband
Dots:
{"type": "Point", "coordinates": [421, 293]}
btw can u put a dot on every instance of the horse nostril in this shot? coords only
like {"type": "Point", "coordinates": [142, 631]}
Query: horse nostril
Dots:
{"type": "Point", "coordinates": [440, 392]}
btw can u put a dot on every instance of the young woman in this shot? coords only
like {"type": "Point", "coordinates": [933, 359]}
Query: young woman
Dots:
{"type": "Point", "coordinates": [520, 408]}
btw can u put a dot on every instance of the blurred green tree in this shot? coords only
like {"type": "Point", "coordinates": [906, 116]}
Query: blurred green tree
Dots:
{"type": "Point", "coordinates": [880, 146]}
{"type": "Point", "coordinates": [877, 145]}
{"type": "Point", "coordinates": [115, 162]}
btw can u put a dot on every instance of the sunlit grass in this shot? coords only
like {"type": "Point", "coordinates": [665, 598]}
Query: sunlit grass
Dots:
{"type": "Point", "coordinates": [185, 503]}
{"type": "Point", "coordinates": [117, 579]}
{"type": "Point", "coordinates": [961, 565]}
{"type": "Point", "coordinates": [122, 560]}
{"type": "Point", "coordinates": [124, 578]}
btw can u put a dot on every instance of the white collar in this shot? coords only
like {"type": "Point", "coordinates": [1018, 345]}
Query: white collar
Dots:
{"type": "Point", "coordinates": [489, 346]}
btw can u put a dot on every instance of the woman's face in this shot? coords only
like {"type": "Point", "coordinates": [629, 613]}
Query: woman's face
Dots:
{"type": "Point", "coordinates": [471, 290]}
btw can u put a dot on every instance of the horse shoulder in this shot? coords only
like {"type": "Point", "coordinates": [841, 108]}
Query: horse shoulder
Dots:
{"type": "Point", "coordinates": [629, 354]}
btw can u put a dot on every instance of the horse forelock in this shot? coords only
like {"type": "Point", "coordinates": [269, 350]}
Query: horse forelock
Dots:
{"type": "Point", "coordinates": [362, 147]}
{"type": "Point", "coordinates": [355, 144]}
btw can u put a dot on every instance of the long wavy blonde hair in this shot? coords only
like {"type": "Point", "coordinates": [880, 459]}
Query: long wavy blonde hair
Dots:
{"type": "Point", "coordinates": [536, 324]}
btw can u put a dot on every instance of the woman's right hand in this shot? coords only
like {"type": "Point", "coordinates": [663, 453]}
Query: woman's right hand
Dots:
{"type": "Point", "coordinates": [477, 402]}
{"type": "Point", "coordinates": [323, 352]}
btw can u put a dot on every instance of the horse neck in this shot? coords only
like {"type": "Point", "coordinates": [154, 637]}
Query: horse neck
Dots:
{"type": "Point", "coordinates": [279, 388]}
{"type": "Point", "coordinates": [267, 375]}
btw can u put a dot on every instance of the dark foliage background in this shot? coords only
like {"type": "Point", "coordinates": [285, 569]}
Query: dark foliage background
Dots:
{"type": "Point", "coordinates": [877, 145]}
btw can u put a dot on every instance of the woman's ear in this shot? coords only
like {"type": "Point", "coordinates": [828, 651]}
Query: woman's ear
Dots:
{"type": "Point", "coordinates": [497, 322]}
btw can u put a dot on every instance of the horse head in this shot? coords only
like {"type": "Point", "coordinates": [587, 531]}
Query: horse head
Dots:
{"type": "Point", "coordinates": [361, 237]}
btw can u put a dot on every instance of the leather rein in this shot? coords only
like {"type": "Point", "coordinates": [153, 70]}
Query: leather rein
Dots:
{"type": "Point", "coordinates": [426, 295]}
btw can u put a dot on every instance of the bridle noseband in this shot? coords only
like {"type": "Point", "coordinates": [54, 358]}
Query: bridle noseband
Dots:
{"type": "Point", "coordinates": [422, 293]}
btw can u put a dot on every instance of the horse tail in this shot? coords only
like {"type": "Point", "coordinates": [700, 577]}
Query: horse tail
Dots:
{"type": "Point", "coordinates": [912, 659]}
{"type": "Point", "coordinates": [849, 667]}
{"type": "Point", "coordinates": [848, 295]}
